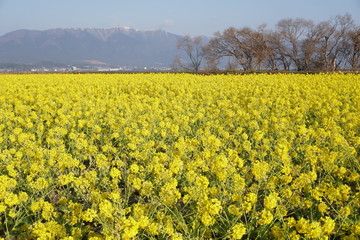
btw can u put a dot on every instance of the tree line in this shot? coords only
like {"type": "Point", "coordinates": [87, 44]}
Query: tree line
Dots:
{"type": "Point", "coordinates": [293, 45]}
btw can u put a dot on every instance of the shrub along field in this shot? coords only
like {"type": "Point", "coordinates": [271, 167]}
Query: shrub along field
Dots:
{"type": "Point", "coordinates": [179, 156]}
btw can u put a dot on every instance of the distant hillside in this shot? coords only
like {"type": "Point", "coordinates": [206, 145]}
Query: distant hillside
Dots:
{"type": "Point", "coordinates": [120, 46]}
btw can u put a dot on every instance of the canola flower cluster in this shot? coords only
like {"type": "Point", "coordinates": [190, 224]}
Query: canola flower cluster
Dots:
{"type": "Point", "coordinates": [179, 156]}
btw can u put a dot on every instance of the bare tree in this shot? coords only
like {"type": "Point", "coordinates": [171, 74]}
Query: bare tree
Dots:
{"type": "Point", "coordinates": [248, 47]}
{"type": "Point", "coordinates": [354, 49]}
{"type": "Point", "coordinates": [194, 49]}
{"type": "Point", "coordinates": [345, 25]}
{"type": "Point", "coordinates": [295, 44]}
{"type": "Point", "coordinates": [332, 40]}
{"type": "Point", "coordinates": [277, 58]}
{"type": "Point", "coordinates": [223, 45]}
{"type": "Point", "coordinates": [290, 33]}
{"type": "Point", "coordinates": [309, 54]}
{"type": "Point", "coordinates": [310, 49]}
{"type": "Point", "coordinates": [212, 63]}
{"type": "Point", "coordinates": [262, 49]}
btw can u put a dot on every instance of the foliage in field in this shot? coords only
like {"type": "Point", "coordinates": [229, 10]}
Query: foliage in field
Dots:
{"type": "Point", "coordinates": [179, 156]}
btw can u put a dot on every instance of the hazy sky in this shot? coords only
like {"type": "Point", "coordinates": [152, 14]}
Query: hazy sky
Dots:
{"type": "Point", "coordinates": [194, 17]}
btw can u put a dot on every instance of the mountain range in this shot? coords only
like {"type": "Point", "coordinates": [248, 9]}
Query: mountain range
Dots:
{"type": "Point", "coordinates": [120, 46]}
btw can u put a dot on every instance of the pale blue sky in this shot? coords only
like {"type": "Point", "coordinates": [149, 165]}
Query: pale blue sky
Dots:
{"type": "Point", "coordinates": [194, 17]}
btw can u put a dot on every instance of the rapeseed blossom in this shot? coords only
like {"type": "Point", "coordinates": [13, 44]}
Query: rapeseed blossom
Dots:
{"type": "Point", "coordinates": [238, 231]}
{"type": "Point", "coordinates": [179, 156]}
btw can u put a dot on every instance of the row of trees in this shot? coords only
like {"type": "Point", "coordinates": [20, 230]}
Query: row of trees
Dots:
{"type": "Point", "coordinates": [294, 44]}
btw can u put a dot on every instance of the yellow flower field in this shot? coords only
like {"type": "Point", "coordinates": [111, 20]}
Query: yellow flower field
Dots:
{"type": "Point", "coordinates": [179, 156]}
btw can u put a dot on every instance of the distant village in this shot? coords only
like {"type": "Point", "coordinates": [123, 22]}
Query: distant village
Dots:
{"type": "Point", "coordinates": [74, 69]}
